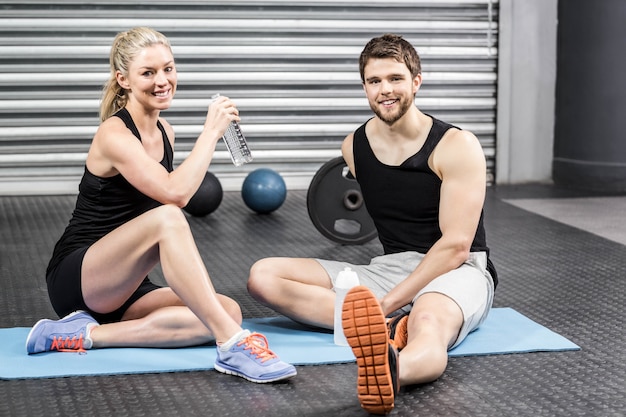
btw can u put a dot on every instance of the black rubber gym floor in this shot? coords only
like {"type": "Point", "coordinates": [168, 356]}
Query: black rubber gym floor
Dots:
{"type": "Point", "coordinates": [567, 279]}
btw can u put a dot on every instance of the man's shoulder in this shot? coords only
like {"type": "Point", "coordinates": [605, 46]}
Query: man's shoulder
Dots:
{"type": "Point", "coordinates": [443, 125]}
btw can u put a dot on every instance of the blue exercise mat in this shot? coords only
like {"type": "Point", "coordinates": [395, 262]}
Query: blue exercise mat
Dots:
{"type": "Point", "coordinates": [504, 331]}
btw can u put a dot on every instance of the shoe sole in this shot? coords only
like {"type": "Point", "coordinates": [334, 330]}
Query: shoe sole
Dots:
{"type": "Point", "coordinates": [252, 379]}
{"type": "Point", "coordinates": [365, 328]}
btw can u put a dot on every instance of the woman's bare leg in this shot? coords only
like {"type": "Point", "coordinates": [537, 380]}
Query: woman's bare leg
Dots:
{"type": "Point", "coordinates": [115, 265]}
{"type": "Point", "coordinates": [159, 319]}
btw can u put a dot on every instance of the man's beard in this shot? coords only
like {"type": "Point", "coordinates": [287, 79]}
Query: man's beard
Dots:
{"type": "Point", "coordinates": [391, 117]}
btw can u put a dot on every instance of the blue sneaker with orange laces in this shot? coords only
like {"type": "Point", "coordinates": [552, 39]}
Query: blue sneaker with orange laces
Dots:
{"type": "Point", "coordinates": [252, 359]}
{"type": "Point", "coordinates": [69, 334]}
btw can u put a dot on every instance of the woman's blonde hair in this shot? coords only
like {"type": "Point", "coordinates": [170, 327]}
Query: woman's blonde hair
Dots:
{"type": "Point", "coordinates": [126, 46]}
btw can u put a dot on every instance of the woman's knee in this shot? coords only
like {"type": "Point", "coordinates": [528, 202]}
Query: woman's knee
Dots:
{"type": "Point", "coordinates": [170, 213]}
{"type": "Point", "coordinates": [170, 219]}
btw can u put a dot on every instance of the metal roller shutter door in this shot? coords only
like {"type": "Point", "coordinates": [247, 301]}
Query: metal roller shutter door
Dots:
{"type": "Point", "coordinates": [291, 67]}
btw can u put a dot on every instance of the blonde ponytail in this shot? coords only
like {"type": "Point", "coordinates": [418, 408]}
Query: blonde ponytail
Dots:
{"type": "Point", "coordinates": [126, 46]}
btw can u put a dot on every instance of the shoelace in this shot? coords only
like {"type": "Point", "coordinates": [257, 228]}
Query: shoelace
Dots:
{"type": "Point", "coordinates": [258, 346]}
{"type": "Point", "coordinates": [396, 339]}
{"type": "Point", "coordinates": [74, 344]}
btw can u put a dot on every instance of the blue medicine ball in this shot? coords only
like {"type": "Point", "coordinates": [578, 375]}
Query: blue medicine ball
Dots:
{"type": "Point", "coordinates": [264, 190]}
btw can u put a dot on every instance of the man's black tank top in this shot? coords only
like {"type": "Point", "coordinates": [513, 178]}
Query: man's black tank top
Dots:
{"type": "Point", "coordinates": [103, 204]}
{"type": "Point", "coordinates": [403, 200]}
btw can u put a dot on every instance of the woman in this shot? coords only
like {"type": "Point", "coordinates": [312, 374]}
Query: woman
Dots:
{"type": "Point", "coordinates": [128, 218]}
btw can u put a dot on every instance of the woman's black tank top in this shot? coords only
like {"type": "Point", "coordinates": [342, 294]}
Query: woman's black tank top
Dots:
{"type": "Point", "coordinates": [103, 204]}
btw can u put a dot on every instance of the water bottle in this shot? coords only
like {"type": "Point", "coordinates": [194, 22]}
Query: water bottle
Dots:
{"type": "Point", "coordinates": [345, 280]}
{"type": "Point", "coordinates": [236, 143]}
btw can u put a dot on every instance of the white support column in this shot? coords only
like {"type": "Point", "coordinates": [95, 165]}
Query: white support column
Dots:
{"type": "Point", "coordinates": [526, 91]}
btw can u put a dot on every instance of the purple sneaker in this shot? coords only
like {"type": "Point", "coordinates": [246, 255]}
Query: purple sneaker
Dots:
{"type": "Point", "coordinates": [251, 358]}
{"type": "Point", "coordinates": [69, 334]}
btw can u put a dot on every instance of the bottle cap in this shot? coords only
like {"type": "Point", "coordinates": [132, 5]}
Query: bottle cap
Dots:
{"type": "Point", "coordinates": [347, 278]}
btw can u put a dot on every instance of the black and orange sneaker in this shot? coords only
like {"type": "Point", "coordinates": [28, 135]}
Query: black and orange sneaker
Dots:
{"type": "Point", "coordinates": [398, 330]}
{"type": "Point", "coordinates": [365, 327]}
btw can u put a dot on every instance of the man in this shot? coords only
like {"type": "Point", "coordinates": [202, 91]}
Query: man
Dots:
{"type": "Point", "coordinates": [423, 182]}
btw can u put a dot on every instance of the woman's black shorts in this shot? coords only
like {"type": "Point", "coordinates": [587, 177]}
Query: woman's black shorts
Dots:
{"type": "Point", "coordinates": [65, 290]}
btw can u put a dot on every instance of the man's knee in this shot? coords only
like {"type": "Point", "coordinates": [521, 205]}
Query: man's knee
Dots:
{"type": "Point", "coordinates": [439, 326]}
{"type": "Point", "coordinates": [258, 280]}
{"type": "Point", "coordinates": [424, 322]}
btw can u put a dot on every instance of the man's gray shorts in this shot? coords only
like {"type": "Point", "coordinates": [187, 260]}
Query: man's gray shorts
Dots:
{"type": "Point", "coordinates": [470, 285]}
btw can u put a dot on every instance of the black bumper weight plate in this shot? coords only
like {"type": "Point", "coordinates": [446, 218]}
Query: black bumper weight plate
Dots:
{"type": "Point", "coordinates": [336, 207]}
